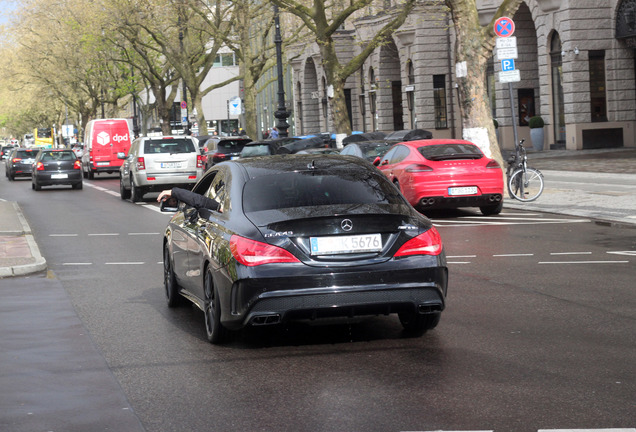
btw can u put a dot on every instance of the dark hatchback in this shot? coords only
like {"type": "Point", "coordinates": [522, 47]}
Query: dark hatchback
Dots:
{"type": "Point", "coordinates": [299, 237]}
{"type": "Point", "coordinates": [20, 162]}
{"type": "Point", "coordinates": [56, 167]}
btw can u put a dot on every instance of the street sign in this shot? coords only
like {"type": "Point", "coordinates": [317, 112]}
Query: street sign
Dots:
{"type": "Point", "coordinates": [507, 65]}
{"type": "Point", "coordinates": [184, 104]}
{"type": "Point", "coordinates": [506, 53]}
{"type": "Point", "coordinates": [504, 27]}
{"type": "Point", "coordinates": [510, 76]}
{"type": "Point", "coordinates": [235, 106]}
{"type": "Point", "coordinates": [508, 42]}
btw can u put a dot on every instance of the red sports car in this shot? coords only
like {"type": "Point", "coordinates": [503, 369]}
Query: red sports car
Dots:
{"type": "Point", "coordinates": [445, 173]}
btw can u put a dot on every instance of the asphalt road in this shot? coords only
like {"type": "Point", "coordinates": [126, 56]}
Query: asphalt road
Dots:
{"type": "Point", "coordinates": [539, 331]}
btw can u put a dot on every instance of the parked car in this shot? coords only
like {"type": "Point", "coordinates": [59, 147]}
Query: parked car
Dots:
{"type": "Point", "coordinates": [157, 163]}
{"type": "Point", "coordinates": [303, 237]}
{"type": "Point", "coordinates": [319, 150]}
{"type": "Point", "coordinates": [266, 147]}
{"type": "Point", "coordinates": [219, 149]}
{"type": "Point", "coordinates": [369, 150]}
{"type": "Point", "coordinates": [20, 163]}
{"type": "Point", "coordinates": [445, 173]}
{"type": "Point", "coordinates": [56, 167]}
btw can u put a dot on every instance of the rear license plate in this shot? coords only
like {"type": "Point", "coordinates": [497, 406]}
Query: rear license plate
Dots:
{"type": "Point", "coordinates": [171, 165]}
{"type": "Point", "coordinates": [59, 176]}
{"type": "Point", "coordinates": [346, 244]}
{"type": "Point", "coordinates": [102, 163]}
{"type": "Point", "coordinates": [471, 190]}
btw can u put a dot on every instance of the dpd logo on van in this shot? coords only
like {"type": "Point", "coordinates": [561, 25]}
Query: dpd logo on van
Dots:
{"type": "Point", "coordinates": [103, 138]}
{"type": "Point", "coordinates": [119, 138]}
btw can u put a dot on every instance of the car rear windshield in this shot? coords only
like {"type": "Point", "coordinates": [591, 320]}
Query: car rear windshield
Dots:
{"type": "Point", "coordinates": [169, 146]}
{"type": "Point", "coordinates": [26, 153]}
{"type": "Point", "coordinates": [58, 156]}
{"type": "Point", "coordinates": [302, 189]}
{"type": "Point", "coordinates": [231, 145]}
{"type": "Point", "coordinates": [450, 151]}
{"type": "Point", "coordinates": [373, 151]}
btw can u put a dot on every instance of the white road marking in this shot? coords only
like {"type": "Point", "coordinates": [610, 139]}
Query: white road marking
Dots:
{"type": "Point", "coordinates": [103, 234]}
{"type": "Point", "coordinates": [570, 253]}
{"type": "Point", "coordinates": [149, 233]}
{"type": "Point", "coordinates": [63, 235]}
{"type": "Point", "coordinates": [125, 263]}
{"type": "Point", "coordinates": [462, 256]}
{"type": "Point", "coordinates": [583, 262]}
{"type": "Point", "coordinates": [512, 255]}
{"type": "Point", "coordinates": [77, 264]}
{"type": "Point", "coordinates": [633, 253]}
{"type": "Point", "coordinates": [458, 262]}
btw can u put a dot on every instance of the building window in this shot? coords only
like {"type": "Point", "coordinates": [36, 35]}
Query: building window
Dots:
{"type": "Point", "coordinates": [598, 98]}
{"type": "Point", "coordinates": [225, 59]}
{"type": "Point", "coordinates": [439, 96]}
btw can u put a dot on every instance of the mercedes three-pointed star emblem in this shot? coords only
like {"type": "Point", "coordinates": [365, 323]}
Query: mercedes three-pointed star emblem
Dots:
{"type": "Point", "coordinates": [346, 224]}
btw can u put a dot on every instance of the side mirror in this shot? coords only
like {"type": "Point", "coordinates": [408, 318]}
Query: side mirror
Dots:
{"type": "Point", "coordinates": [377, 160]}
{"type": "Point", "coordinates": [169, 205]}
{"type": "Point", "coordinates": [121, 155]}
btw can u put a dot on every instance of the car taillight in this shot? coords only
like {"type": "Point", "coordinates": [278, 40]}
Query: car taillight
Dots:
{"type": "Point", "coordinates": [141, 163]}
{"type": "Point", "coordinates": [77, 165]}
{"type": "Point", "coordinates": [415, 168]}
{"type": "Point", "coordinates": [252, 253]}
{"type": "Point", "coordinates": [493, 164]}
{"type": "Point", "coordinates": [39, 166]}
{"type": "Point", "coordinates": [16, 160]}
{"type": "Point", "coordinates": [199, 161]}
{"type": "Point", "coordinates": [428, 243]}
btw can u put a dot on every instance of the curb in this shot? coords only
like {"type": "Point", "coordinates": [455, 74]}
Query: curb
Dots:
{"type": "Point", "coordinates": [39, 263]}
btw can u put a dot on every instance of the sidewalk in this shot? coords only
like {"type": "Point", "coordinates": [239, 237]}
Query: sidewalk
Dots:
{"type": "Point", "coordinates": [19, 253]}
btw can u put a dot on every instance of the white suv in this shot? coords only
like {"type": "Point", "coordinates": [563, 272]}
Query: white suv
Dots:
{"type": "Point", "coordinates": [157, 163]}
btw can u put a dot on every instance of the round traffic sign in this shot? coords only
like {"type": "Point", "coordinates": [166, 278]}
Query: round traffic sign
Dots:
{"type": "Point", "coordinates": [504, 27]}
{"type": "Point", "coordinates": [184, 104]}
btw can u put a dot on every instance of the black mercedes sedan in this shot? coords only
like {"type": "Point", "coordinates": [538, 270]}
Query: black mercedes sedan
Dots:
{"type": "Point", "coordinates": [303, 237]}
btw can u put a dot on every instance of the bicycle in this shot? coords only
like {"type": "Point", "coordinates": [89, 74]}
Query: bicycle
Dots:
{"type": "Point", "coordinates": [524, 183]}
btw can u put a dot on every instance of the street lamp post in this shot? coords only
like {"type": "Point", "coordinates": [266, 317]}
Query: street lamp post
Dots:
{"type": "Point", "coordinates": [281, 113]}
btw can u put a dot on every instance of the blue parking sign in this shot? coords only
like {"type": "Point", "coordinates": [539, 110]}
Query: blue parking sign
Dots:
{"type": "Point", "coordinates": [507, 65]}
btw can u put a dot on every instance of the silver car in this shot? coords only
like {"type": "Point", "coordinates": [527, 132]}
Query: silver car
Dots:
{"type": "Point", "coordinates": [157, 163]}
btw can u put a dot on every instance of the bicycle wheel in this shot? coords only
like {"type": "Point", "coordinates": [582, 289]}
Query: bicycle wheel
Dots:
{"type": "Point", "coordinates": [526, 186]}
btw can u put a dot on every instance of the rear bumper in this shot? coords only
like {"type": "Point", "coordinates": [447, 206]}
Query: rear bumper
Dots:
{"type": "Point", "coordinates": [260, 300]}
{"type": "Point", "coordinates": [438, 202]}
{"type": "Point", "coordinates": [44, 179]}
{"type": "Point", "coordinates": [160, 181]}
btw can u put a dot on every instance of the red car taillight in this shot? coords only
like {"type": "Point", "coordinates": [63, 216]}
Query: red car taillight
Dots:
{"type": "Point", "coordinates": [141, 163]}
{"type": "Point", "coordinates": [199, 161]}
{"type": "Point", "coordinates": [77, 165]}
{"type": "Point", "coordinates": [39, 166]}
{"type": "Point", "coordinates": [493, 164]}
{"type": "Point", "coordinates": [252, 253]}
{"type": "Point", "coordinates": [428, 243]}
{"type": "Point", "coordinates": [16, 160]}
{"type": "Point", "coordinates": [415, 168]}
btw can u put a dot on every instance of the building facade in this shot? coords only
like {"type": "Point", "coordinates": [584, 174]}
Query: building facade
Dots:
{"type": "Point", "coordinates": [576, 61]}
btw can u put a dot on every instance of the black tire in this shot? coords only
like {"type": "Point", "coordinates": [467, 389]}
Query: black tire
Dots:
{"type": "Point", "coordinates": [79, 185]}
{"type": "Point", "coordinates": [490, 210]}
{"type": "Point", "coordinates": [417, 324]}
{"type": "Point", "coordinates": [215, 331]}
{"type": "Point", "coordinates": [123, 192]}
{"type": "Point", "coordinates": [36, 186]}
{"type": "Point", "coordinates": [173, 298]}
{"type": "Point", "coordinates": [11, 177]}
{"type": "Point", "coordinates": [84, 174]}
{"type": "Point", "coordinates": [91, 175]}
{"type": "Point", "coordinates": [526, 186]}
{"type": "Point", "coordinates": [136, 193]}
